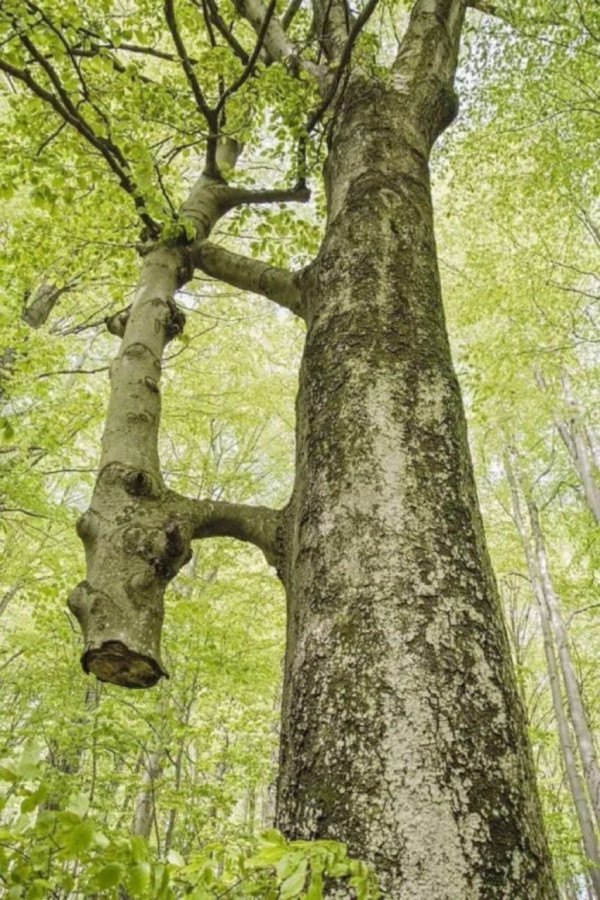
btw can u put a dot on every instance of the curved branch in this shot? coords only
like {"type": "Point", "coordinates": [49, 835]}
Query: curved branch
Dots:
{"type": "Point", "coordinates": [254, 524]}
{"type": "Point", "coordinates": [278, 285]}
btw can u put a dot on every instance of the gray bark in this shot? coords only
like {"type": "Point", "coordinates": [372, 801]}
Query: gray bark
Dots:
{"type": "Point", "coordinates": [37, 311]}
{"type": "Point", "coordinates": [143, 816]}
{"type": "Point", "coordinates": [580, 445]}
{"type": "Point", "coordinates": [402, 730]}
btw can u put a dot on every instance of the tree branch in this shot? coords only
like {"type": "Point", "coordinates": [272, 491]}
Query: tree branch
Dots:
{"type": "Point", "coordinates": [251, 62]}
{"type": "Point", "coordinates": [46, 297]}
{"type": "Point", "coordinates": [255, 524]}
{"type": "Point", "coordinates": [290, 13]}
{"type": "Point", "coordinates": [272, 282]}
{"type": "Point", "coordinates": [236, 196]}
{"type": "Point", "coordinates": [220, 25]}
{"type": "Point", "coordinates": [275, 40]}
{"type": "Point", "coordinates": [427, 57]}
{"type": "Point", "coordinates": [208, 113]}
{"type": "Point", "coordinates": [113, 156]}
{"type": "Point", "coordinates": [488, 9]}
{"type": "Point", "coordinates": [356, 29]}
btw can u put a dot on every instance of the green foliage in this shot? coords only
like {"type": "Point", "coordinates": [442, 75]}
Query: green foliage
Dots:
{"type": "Point", "coordinates": [68, 849]}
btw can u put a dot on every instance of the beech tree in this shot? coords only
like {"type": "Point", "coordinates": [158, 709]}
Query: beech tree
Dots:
{"type": "Point", "coordinates": [402, 732]}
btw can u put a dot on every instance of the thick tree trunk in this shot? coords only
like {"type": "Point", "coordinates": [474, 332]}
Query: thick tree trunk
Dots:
{"type": "Point", "coordinates": [402, 730]}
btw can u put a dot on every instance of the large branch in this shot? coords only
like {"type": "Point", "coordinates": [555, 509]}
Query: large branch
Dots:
{"type": "Point", "coordinates": [275, 40]}
{"type": "Point", "coordinates": [426, 62]}
{"type": "Point", "coordinates": [254, 524]}
{"type": "Point", "coordinates": [430, 44]}
{"type": "Point", "coordinates": [332, 20]}
{"type": "Point", "coordinates": [278, 285]}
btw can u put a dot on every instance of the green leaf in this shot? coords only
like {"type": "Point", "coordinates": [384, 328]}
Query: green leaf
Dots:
{"type": "Point", "coordinates": [138, 879]}
{"type": "Point", "coordinates": [109, 876]}
{"type": "Point", "coordinates": [80, 837]}
{"type": "Point", "coordinates": [293, 885]}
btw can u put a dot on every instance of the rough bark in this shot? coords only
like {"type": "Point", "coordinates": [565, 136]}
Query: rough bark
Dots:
{"type": "Point", "coordinates": [538, 578]}
{"type": "Point", "coordinates": [402, 730]}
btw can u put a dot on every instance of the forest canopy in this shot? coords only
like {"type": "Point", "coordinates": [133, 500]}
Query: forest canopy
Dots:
{"type": "Point", "coordinates": [112, 114]}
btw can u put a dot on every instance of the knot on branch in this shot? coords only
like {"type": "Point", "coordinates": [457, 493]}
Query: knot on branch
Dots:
{"type": "Point", "coordinates": [444, 111]}
{"type": "Point", "coordinates": [117, 323]}
{"type": "Point", "coordinates": [175, 321]}
{"type": "Point", "coordinates": [140, 484]}
{"type": "Point", "coordinates": [85, 526]}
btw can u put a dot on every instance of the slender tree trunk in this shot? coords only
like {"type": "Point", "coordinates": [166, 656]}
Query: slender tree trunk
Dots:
{"type": "Point", "coordinates": [583, 734]}
{"type": "Point", "coordinates": [580, 445]}
{"type": "Point", "coordinates": [585, 820]}
{"type": "Point", "coordinates": [402, 730]}
{"type": "Point", "coordinates": [145, 804]}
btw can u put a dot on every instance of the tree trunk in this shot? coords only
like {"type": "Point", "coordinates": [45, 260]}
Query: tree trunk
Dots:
{"type": "Point", "coordinates": [402, 730]}
{"type": "Point", "coordinates": [583, 734]}
{"type": "Point", "coordinates": [143, 817]}
{"type": "Point", "coordinates": [586, 823]}
{"type": "Point", "coordinates": [580, 445]}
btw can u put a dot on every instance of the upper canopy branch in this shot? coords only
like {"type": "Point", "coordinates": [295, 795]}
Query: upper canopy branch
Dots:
{"type": "Point", "coordinates": [216, 19]}
{"type": "Point", "coordinates": [71, 114]}
{"type": "Point", "coordinates": [249, 69]}
{"type": "Point", "coordinates": [344, 61]}
{"type": "Point", "coordinates": [186, 64]}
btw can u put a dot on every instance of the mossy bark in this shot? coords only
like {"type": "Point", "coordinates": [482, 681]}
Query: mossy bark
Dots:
{"type": "Point", "coordinates": [402, 731]}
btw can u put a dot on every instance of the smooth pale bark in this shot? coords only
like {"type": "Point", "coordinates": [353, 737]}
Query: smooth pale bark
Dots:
{"type": "Point", "coordinates": [537, 569]}
{"type": "Point", "coordinates": [137, 533]}
{"type": "Point", "coordinates": [402, 731]}
{"type": "Point", "coordinates": [144, 813]}
{"type": "Point", "coordinates": [580, 445]}
{"type": "Point", "coordinates": [583, 734]}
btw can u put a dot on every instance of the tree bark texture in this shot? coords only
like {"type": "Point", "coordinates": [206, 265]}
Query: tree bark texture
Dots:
{"type": "Point", "coordinates": [402, 730]}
